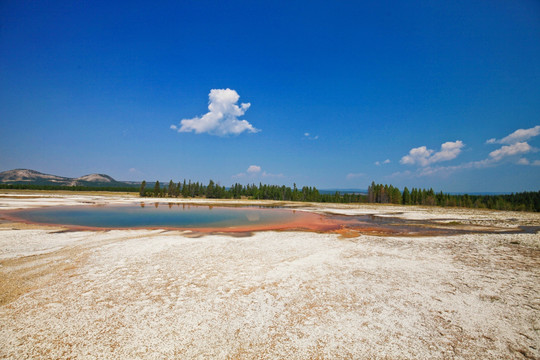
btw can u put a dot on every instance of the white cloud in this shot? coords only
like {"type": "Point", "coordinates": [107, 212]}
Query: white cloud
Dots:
{"type": "Point", "coordinates": [424, 156]}
{"type": "Point", "coordinates": [417, 155]}
{"type": "Point", "coordinates": [450, 150]}
{"type": "Point", "coordinates": [524, 161]}
{"type": "Point", "coordinates": [239, 176]}
{"type": "Point", "coordinates": [519, 135]}
{"type": "Point", "coordinates": [255, 171]}
{"type": "Point", "coordinates": [222, 118]}
{"type": "Point", "coordinates": [310, 137]}
{"type": "Point", "coordinates": [378, 163]}
{"type": "Point", "coordinates": [252, 169]}
{"type": "Point", "coordinates": [509, 150]}
{"type": "Point", "coordinates": [387, 161]}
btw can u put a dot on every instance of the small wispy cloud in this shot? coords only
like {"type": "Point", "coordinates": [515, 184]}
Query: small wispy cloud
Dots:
{"type": "Point", "coordinates": [423, 156]}
{"type": "Point", "coordinates": [378, 163]}
{"type": "Point", "coordinates": [134, 171]}
{"type": "Point", "coordinates": [270, 175]}
{"type": "Point", "coordinates": [255, 171]}
{"type": "Point", "coordinates": [524, 161]}
{"type": "Point", "coordinates": [310, 136]}
{"type": "Point", "coordinates": [222, 118]}
{"type": "Point", "coordinates": [351, 176]}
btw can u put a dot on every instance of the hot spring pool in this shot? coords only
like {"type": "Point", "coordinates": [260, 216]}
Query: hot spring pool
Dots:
{"type": "Point", "coordinates": [160, 215]}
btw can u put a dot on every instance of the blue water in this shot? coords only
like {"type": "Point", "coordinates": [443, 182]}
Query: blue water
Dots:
{"type": "Point", "coordinates": [156, 215]}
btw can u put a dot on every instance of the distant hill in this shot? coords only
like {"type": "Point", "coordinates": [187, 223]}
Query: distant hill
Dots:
{"type": "Point", "coordinates": [32, 177]}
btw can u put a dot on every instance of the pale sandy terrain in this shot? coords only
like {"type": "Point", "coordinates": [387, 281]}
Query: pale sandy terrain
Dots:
{"type": "Point", "coordinates": [153, 294]}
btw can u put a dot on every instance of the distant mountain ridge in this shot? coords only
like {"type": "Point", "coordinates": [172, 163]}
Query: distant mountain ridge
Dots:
{"type": "Point", "coordinates": [33, 177]}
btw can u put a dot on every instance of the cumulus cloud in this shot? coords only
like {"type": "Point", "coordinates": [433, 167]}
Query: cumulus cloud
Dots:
{"type": "Point", "coordinates": [515, 146]}
{"type": "Point", "coordinates": [378, 163]}
{"type": "Point", "coordinates": [509, 150]}
{"type": "Point", "coordinates": [418, 155]}
{"type": "Point", "coordinates": [519, 135]}
{"type": "Point", "coordinates": [253, 169]}
{"type": "Point", "coordinates": [423, 156]}
{"type": "Point", "coordinates": [222, 118]}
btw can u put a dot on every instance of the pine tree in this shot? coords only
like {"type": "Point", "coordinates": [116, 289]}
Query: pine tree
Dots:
{"type": "Point", "coordinates": [172, 189]}
{"type": "Point", "coordinates": [406, 196]}
{"type": "Point", "coordinates": [143, 185]}
{"type": "Point", "coordinates": [157, 189]}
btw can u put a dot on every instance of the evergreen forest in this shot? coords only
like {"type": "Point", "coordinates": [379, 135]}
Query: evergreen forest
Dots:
{"type": "Point", "coordinates": [377, 193]}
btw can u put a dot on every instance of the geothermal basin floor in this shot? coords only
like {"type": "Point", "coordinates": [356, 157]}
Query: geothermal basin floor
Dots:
{"type": "Point", "coordinates": [154, 294]}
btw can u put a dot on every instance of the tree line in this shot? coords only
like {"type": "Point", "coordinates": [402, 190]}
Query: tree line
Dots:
{"type": "Point", "coordinates": [377, 193]}
{"type": "Point", "coordinates": [188, 189]}
{"type": "Point", "coordinates": [387, 194]}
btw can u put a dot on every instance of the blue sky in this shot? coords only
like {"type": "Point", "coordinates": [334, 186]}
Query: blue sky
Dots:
{"type": "Point", "coordinates": [340, 93]}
